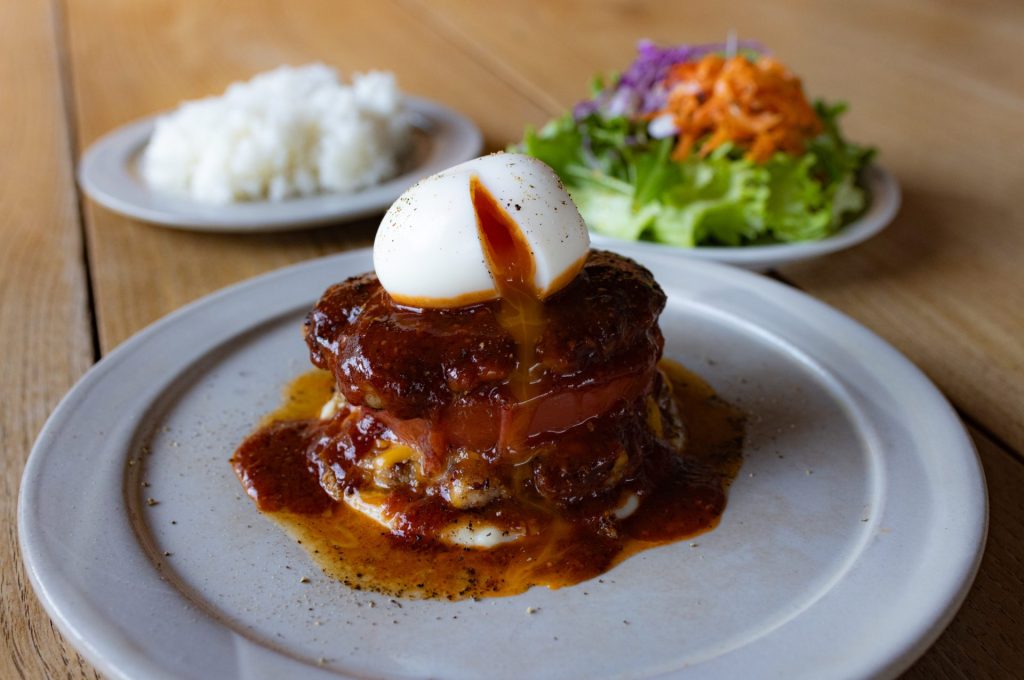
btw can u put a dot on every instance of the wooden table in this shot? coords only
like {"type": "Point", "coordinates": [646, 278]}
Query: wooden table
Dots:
{"type": "Point", "coordinates": [937, 86]}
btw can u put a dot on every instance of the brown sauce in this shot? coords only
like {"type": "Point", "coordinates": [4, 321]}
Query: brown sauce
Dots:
{"type": "Point", "coordinates": [560, 547]}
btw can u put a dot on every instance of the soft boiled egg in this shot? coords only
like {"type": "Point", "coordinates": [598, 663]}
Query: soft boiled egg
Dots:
{"type": "Point", "coordinates": [429, 250]}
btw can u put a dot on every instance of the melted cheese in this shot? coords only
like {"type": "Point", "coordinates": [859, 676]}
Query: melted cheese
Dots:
{"type": "Point", "coordinates": [394, 454]}
{"type": "Point", "coordinates": [463, 533]}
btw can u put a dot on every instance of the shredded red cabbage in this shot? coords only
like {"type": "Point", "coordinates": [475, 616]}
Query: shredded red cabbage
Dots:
{"type": "Point", "coordinates": [640, 90]}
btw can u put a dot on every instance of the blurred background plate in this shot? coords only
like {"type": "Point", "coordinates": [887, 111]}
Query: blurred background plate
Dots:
{"type": "Point", "coordinates": [108, 174]}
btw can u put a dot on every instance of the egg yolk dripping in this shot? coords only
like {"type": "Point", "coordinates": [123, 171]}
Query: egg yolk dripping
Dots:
{"type": "Point", "coordinates": [513, 269]}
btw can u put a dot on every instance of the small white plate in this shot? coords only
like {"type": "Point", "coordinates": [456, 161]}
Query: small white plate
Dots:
{"type": "Point", "coordinates": [851, 536]}
{"type": "Point", "coordinates": [884, 192]}
{"type": "Point", "coordinates": [108, 173]}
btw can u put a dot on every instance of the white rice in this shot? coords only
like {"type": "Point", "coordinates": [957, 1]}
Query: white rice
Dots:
{"type": "Point", "coordinates": [286, 133]}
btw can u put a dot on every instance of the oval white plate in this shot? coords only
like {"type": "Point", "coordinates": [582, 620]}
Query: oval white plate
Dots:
{"type": "Point", "coordinates": [882, 187]}
{"type": "Point", "coordinates": [851, 536]}
{"type": "Point", "coordinates": [108, 174]}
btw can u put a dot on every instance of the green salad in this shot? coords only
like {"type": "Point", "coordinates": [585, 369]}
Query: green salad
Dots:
{"type": "Point", "coordinates": [691, 147]}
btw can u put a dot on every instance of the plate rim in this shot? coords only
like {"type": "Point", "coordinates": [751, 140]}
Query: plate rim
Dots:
{"type": "Point", "coordinates": [130, 663]}
{"type": "Point", "coordinates": [103, 175]}
{"type": "Point", "coordinates": [886, 199]}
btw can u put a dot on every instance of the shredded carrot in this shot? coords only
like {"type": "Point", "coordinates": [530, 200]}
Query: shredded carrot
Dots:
{"type": "Point", "coordinates": [759, 106]}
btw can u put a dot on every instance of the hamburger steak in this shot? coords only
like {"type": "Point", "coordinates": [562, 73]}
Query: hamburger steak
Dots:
{"type": "Point", "coordinates": [437, 381]}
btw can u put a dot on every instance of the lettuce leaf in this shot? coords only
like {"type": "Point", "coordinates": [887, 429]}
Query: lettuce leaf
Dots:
{"type": "Point", "coordinates": [610, 212]}
{"type": "Point", "coordinates": [718, 200]}
{"type": "Point", "coordinates": [796, 209]}
{"type": "Point", "coordinates": [627, 185]}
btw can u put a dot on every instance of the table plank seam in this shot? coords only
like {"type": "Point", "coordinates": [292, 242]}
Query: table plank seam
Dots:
{"type": "Point", "coordinates": [998, 441]}
{"type": "Point", "coordinates": [68, 98]}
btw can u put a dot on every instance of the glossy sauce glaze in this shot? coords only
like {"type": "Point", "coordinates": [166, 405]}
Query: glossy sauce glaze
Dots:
{"type": "Point", "coordinates": [681, 493]}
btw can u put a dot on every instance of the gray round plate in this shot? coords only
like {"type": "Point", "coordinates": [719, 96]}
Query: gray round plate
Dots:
{"type": "Point", "coordinates": [108, 174]}
{"type": "Point", "coordinates": [851, 536]}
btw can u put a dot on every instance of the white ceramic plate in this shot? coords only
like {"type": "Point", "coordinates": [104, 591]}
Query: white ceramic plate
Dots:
{"type": "Point", "coordinates": [108, 173]}
{"type": "Point", "coordinates": [884, 193]}
{"type": "Point", "coordinates": [852, 532]}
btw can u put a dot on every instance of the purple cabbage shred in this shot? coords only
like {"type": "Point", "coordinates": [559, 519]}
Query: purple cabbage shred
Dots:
{"type": "Point", "coordinates": [640, 89]}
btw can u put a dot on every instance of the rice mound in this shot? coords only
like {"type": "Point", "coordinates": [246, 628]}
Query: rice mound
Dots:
{"type": "Point", "coordinates": [285, 133]}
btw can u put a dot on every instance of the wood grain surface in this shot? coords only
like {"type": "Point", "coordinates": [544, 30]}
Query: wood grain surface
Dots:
{"type": "Point", "coordinates": [44, 317]}
{"type": "Point", "coordinates": [934, 85]}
